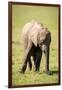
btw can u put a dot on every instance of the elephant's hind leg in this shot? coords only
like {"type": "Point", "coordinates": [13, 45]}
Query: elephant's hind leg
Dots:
{"type": "Point", "coordinates": [24, 67]}
{"type": "Point", "coordinates": [26, 58]}
{"type": "Point", "coordinates": [30, 64]}
{"type": "Point", "coordinates": [25, 64]}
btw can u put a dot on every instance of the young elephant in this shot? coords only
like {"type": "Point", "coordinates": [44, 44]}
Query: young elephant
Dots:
{"type": "Point", "coordinates": [36, 34]}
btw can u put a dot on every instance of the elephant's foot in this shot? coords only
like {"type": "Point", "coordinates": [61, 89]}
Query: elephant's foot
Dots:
{"type": "Point", "coordinates": [49, 72]}
{"type": "Point", "coordinates": [37, 70]}
{"type": "Point", "coordinates": [30, 67]}
{"type": "Point", "coordinates": [23, 69]}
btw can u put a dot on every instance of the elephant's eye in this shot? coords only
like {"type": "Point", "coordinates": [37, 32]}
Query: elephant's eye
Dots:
{"type": "Point", "coordinates": [40, 43]}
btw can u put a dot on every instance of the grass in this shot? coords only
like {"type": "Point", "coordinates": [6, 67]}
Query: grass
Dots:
{"type": "Point", "coordinates": [49, 17]}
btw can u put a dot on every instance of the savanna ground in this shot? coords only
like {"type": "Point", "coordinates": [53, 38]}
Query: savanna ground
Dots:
{"type": "Point", "coordinates": [49, 17]}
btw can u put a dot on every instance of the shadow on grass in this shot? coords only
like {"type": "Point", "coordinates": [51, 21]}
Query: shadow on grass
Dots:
{"type": "Point", "coordinates": [50, 72]}
{"type": "Point", "coordinates": [54, 72]}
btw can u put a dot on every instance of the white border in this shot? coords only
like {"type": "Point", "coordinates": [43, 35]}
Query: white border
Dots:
{"type": "Point", "coordinates": [4, 43]}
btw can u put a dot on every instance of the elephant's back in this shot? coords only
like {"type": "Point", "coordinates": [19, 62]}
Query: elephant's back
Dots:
{"type": "Point", "coordinates": [25, 32]}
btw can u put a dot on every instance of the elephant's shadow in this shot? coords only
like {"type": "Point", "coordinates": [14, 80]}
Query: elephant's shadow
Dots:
{"type": "Point", "coordinates": [52, 72]}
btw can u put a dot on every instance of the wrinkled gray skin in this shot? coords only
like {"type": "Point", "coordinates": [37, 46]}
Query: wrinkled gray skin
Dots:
{"type": "Point", "coordinates": [35, 35]}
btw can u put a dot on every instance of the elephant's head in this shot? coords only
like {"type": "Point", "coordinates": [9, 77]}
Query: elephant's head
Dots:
{"type": "Point", "coordinates": [39, 36]}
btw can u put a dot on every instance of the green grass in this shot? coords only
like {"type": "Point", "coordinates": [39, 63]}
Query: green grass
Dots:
{"type": "Point", "coordinates": [49, 17]}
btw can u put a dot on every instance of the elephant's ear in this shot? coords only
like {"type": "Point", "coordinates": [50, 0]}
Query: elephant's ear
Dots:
{"type": "Point", "coordinates": [34, 37]}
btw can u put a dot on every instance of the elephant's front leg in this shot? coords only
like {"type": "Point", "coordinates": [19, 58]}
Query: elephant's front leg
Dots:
{"type": "Point", "coordinates": [26, 57]}
{"type": "Point", "coordinates": [38, 60]}
{"type": "Point", "coordinates": [37, 63]}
